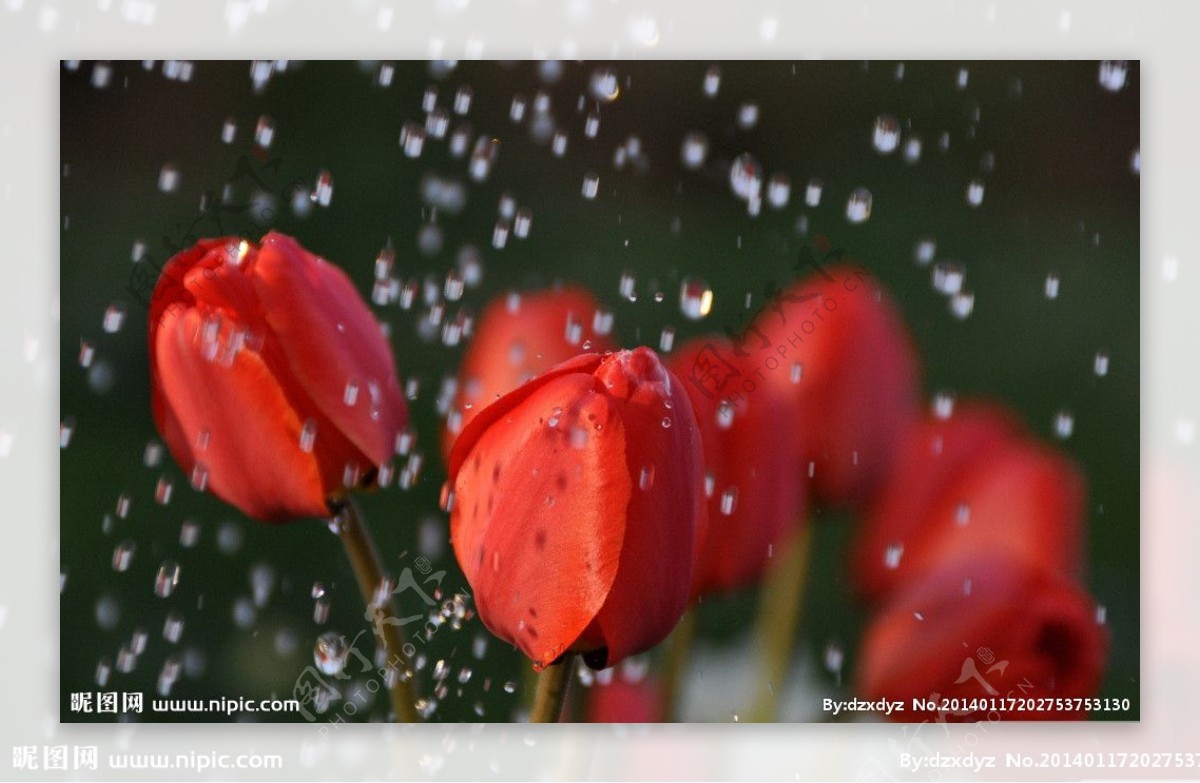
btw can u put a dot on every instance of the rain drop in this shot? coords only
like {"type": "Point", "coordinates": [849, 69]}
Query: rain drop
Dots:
{"type": "Point", "coordinates": [695, 298]}
{"type": "Point", "coordinates": [858, 206]}
{"type": "Point", "coordinates": [975, 192]}
{"type": "Point", "coordinates": [167, 579]}
{"type": "Point", "coordinates": [887, 134]}
{"type": "Point", "coordinates": [329, 653]}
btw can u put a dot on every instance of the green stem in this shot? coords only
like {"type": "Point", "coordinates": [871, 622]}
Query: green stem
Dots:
{"type": "Point", "coordinates": [678, 648]}
{"type": "Point", "coordinates": [551, 692]}
{"type": "Point", "coordinates": [780, 604]}
{"type": "Point", "coordinates": [364, 558]}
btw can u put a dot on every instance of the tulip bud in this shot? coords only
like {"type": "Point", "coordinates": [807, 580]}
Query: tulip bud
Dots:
{"type": "Point", "coordinates": [987, 628]}
{"type": "Point", "coordinates": [837, 345]}
{"type": "Point", "coordinates": [753, 499]}
{"type": "Point", "coordinates": [575, 506]}
{"type": "Point", "coordinates": [271, 382]}
{"type": "Point", "coordinates": [968, 485]}
{"type": "Point", "coordinates": [522, 335]}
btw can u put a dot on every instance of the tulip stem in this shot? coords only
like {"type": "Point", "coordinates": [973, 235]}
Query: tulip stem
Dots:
{"type": "Point", "coordinates": [551, 693]}
{"type": "Point", "coordinates": [678, 648]}
{"type": "Point", "coordinates": [368, 569]}
{"type": "Point", "coordinates": [780, 603]}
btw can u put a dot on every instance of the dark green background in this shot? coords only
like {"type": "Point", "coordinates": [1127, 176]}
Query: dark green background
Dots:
{"type": "Point", "coordinates": [1062, 197]}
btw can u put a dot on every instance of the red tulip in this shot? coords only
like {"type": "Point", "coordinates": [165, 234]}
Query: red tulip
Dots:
{"type": "Point", "coordinates": [991, 627]}
{"type": "Point", "coordinates": [754, 500]}
{"type": "Point", "coordinates": [625, 701]}
{"type": "Point", "coordinates": [575, 507]}
{"type": "Point", "coordinates": [840, 348]}
{"type": "Point", "coordinates": [971, 484]}
{"type": "Point", "coordinates": [271, 382]}
{"type": "Point", "coordinates": [522, 335]}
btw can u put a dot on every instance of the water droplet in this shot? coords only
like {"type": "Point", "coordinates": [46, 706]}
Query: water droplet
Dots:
{"type": "Point", "coordinates": [244, 613]}
{"type": "Point", "coordinates": [168, 178]}
{"type": "Point", "coordinates": [747, 116]}
{"type": "Point", "coordinates": [412, 139]}
{"type": "Point", "coordinates": [646, 478]}
{"type": "Point", "coordinates": [229, 538]}
{"type": "Point", "coordinates": [948, 277]}
{"type": "Point", "coordinates": [323, 191]}
{"type": "Point", "coordinates": [961, 304]}
{"type": "Point", "coordinates": [604, 84]}
{"type": "Point", "coordinates": [264, 131]}
{"type": "Point", "coordinates": [462, 99]}
{"type": "Point", "coordinates": [779, 190]}
{"type": "Point", "coordinates": [886, 137]}
{"type": "Point", "coordinates": [1113, 74]}
{"type": "Point", "coordinates": [1051, 288]}
{"type": "Point", "coordinates": [943, 405]}
{"type": "Point", "coordinates": [167, 579]}
{"type": "Point", "coordinates": [892, 556]}
{"type": "Point", "coordinates": [591, 185]}
{"type": "Point", "coordinates": [912, 150]}
{"type": "Point", "coordinates": [1135, 161]}
{"type": "Point", "coordinates": [729, 501]}
{"type": "Point", "coordinates": [834, 657]}
{"type": "Point", "coordinates": [1100, 364]}
{"type": "Point", "coordinates": [308, 435]}
{"type": "Point", "coordinates": [975, 192]}
{"type": "Point", "coordinates": [107, 612]}
{"type": "Point", "coordinates": [858, 206]}
{"type": "Point", "coordinates": [516, 110]}
{"type": "Point", "coordinates": [329, 653]}
{"type": "Point", "coordinates": [925, 250]}
{"type": "Point", "coordinates": [524, 219]}
{"type": "Point", "coordinates": [114, 319]}
{"type": "Point", "coordinates": [962, 514]}
{"type": "Point", "coordinates": [712, 81]}
{"type": "Point", "coordinates": [694, 150]}
{"type": "Point", "coordinates": [695, 298]}
{"type": "Point", "coordinates": [173, 627]}
{"type": "Point", "coordinates": [746, 177]}
{"type": "Point", "coordinates": [1064, 424]}
{"type": "Point", "coordinates": [123, 554]}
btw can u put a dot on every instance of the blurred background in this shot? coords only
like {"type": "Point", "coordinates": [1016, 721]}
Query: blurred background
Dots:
{"type": "Point", "coordinates": [151, 152]}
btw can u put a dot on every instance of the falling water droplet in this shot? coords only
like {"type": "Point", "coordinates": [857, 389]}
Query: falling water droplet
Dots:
{"type": "Point", "coordinates": [1100, 364]}
{"type": "Point", "coordinates": [858, 206]}
{"type": "Point", "coordinates": [695, 298]}
{"type": "Point", "coordinates": [591, 185]}
{"type": "Point", "coordinates": [167, 579]}
{"type": "Point", "coordinates": [123, 554]}
{"type": "Point", "coordinates": [1113, 74]}
{"type": "Point", "coordinates": [975, 192]}
{"type": "Point", "coordinates": [329, 652]}
{"type": "Point", "coordinates": [887, 134]}
{"type": "Point", "coordinates": [1064, 424]}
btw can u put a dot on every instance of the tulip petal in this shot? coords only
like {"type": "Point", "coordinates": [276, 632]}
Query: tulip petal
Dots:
{"type": "Point", "coordinates": [535, 478]}
{"type": "Point", "coordinates": [206, 397]}
{"type": "Point", "coordinates": [664, 461]}
{"type": "Point", "coordinates": [332, 344]}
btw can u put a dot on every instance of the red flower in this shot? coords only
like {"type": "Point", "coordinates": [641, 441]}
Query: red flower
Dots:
{"type": "Point", "coordinates": [576, 501]}
{"type": "Point", "coordinates": [840, 348]}
{"type": "Point", "coordinates": [990, 627]}
{"type": "Point", "coordinates": [970, 484]}
{"type": "Point", "coordinates": [271, 382]}
{"type": "Point", "coordinates": [625, 701]}
{"type": "Point", "coordinates": [521, 335]}
{"type": "Point", "coordinates": [754, 498]}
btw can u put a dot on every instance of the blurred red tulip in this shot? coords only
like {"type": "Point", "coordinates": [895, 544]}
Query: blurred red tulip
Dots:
{"type": "Point", "coordinates": [840, 347]}
{"type": "Point", "coordinates": [991, 627]}
{"type": "Point", "coordinates": [271, 381]}
{"type": "Point", "coordinates": [519, 336]}
{"type": "Point", "coordinates": [966, 485]}
{"type": "Point", "coordinates": [754, 500]}
{"type": "Point", "coordinates": [575, 507]}
{"type": "Point", "coordinates": [625, 701]}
